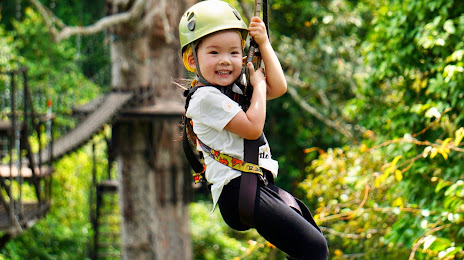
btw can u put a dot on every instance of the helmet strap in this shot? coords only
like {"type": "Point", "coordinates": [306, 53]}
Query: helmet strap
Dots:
{"type": "Point", "coordinates": [200, 77]}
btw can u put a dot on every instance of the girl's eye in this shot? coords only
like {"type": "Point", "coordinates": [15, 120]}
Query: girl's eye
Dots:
{"type": "Point", "coordinates": [213, 52]}
{"type": "Point", "coordinates": [235, 52]}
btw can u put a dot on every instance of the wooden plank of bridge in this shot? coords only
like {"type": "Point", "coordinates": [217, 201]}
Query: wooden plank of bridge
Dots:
{"type": "Point", "coordinates": [26, 172]}
{"type": "Point", "coordinates": [5, 126]}
{"type": "Point", "coordinates": [89, 126]}
{"type": "Point", "coordinates": [32, 212]}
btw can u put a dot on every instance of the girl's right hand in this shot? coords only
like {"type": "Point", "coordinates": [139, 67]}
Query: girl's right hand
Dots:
{"type": "Point", "coordinates": [257, 78]}
{"type": "Point", "coordinates": [250, 125]}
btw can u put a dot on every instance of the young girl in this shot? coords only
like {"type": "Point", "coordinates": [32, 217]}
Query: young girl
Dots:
{"type": "Point", "coordinates": [212, 37]}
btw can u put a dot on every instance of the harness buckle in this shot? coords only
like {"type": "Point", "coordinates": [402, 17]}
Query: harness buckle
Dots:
{"type": "Point", "coordinates": [264, 179]}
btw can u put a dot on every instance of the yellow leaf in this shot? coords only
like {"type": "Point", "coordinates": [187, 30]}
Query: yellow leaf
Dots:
{"type": "Point", "coordinates": [433, 152]}
{"type": "Point", "coordinates": [379, 180]}
{"type": "Point", "coordinates": [446, 141]}
{"type": "Point", "coordinates": [363, 148]}
{"type": "Point", "coordinates": [398, 202]}
{"type": "Point", "coordinates": [459, 135]}
{"type": "Point", "coordinates": [391, 167]}
{"type": "Point", "coordinates": [338, 252]}
{"type": "Point", "coordinates": [398, 175]}
{"type": "Point", "coordinates": [388, 170]}
{"type": "Point", "coordinates": [270, 245]}
{"type": "Point", "coordinates": [395, 161]}
{"type": "Point", "coordinates": [444, 153]}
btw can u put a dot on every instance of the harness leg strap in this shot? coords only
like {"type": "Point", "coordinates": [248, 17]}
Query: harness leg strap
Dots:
{"type": "Point", "coordinates": [249, 183]}
{"type": "Point", "coordinates": [247, 197]}
{"type": "Point", "coordinates": [295, 204]}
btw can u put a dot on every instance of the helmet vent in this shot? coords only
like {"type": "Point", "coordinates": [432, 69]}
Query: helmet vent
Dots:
{"type": "Point", "coordinates": [191, 25]}
{"type": "Point", "coordinates": [190, 15]}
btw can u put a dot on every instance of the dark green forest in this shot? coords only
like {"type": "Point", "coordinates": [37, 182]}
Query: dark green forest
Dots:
{"type": "Point", "coordinates": [370, 133]}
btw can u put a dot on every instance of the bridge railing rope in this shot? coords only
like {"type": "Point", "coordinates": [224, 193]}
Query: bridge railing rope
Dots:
{"type": "Point", "coordinates": [21, 133]}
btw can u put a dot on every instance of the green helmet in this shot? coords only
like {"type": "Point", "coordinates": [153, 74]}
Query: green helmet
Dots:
{"type": "Point", "coordinates": [207, 17]}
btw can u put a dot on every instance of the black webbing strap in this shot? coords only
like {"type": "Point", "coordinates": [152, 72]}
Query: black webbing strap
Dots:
{"type": "Point", "coordinates": [249, 182]}
{"type": "Point", "coordinates": [192, 158]}
{"type": "Point", "coordinates": [266, 16]}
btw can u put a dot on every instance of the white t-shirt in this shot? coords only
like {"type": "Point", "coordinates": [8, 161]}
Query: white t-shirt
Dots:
{"type": "Point", "coordinates": [211, 111]}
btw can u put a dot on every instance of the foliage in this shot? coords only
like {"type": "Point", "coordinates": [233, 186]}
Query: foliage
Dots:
{"type": "Point", "coordinates": [400, 191]}
{"type": "Point", "coordinates": [392, 70]}
{"type": "Point", "coordinates": [355, 215]}
{"type": "Point", "coordinates": [53, 72]}
{"type": "Point", "coordinates": [322, 60]}
{"type": "Point", "coordinates": [94, 58]}
{"type": "Point", "coordinates": [213, 239]}
{"type": "Point", "coordinates": [65, 232]}
{"type": "Point", "coordinates": [8, 52]}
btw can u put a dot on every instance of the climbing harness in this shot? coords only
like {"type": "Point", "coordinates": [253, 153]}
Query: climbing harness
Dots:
{"type": "Point", "coordinates": [251, 172]}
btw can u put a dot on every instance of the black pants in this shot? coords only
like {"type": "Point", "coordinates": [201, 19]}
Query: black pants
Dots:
{"type": "Point", "coordinates": [276, 222]}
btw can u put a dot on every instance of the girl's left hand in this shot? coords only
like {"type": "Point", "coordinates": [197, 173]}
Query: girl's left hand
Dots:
{"type": "Point", "coordinates": [257, 78]}
{"type": "Point", "coordinates": [257, 30]}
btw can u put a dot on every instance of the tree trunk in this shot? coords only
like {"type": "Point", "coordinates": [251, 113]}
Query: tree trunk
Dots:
{"type": "Point", "coordinates": [154, 190]}
{"type": "Point", "coordinates": [154, 184]}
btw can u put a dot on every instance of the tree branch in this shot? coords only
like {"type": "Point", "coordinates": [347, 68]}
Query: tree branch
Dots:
{"type": "Point", "coordinates": [160, 10]}
{"type": "Point", "coordinates": [245, 10]}
{"type": "Point", "coordinates": [417, 142]}
{"type": "Point", "coordinates": [341, 234]}
{"type": "Point", "coordinates": [338, 126]}
{"type": "Point", "coordinates": [422, 239]}
{"type": "Point", "coordinates": [167, 27]}
{"type": "Point", "coordinates": [102, 24]}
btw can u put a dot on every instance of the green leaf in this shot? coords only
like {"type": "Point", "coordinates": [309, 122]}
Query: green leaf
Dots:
{"type": "Point", "coordinates": [449, 27]}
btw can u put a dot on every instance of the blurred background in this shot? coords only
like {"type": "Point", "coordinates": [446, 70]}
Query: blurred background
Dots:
{"type": "Point", "coordinates": [369, 134]}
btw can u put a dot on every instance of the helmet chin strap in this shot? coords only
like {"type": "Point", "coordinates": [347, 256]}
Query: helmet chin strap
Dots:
{"type": "Point", "coordinates": [197, 65]}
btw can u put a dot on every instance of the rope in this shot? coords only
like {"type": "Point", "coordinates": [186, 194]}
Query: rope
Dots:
{"type": "Point", "coordinates": [266, 16]}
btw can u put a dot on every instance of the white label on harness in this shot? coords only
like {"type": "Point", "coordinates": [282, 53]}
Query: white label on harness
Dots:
{"type": "Point", "coordinates": [266, 161]}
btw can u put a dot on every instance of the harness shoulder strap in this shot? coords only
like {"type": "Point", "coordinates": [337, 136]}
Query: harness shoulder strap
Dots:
{"type": "Point", "coordinates": [193, 159]}
{"type": "Point", "coordinates": [196, 164]}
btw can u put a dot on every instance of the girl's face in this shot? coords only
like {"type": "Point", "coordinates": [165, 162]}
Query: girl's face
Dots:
{"type": "Point", "coordinates": [220, 57]}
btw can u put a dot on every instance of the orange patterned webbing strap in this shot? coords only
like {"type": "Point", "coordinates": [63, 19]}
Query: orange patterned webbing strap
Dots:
{"type": "Point", "coordinates": [230, 161]}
